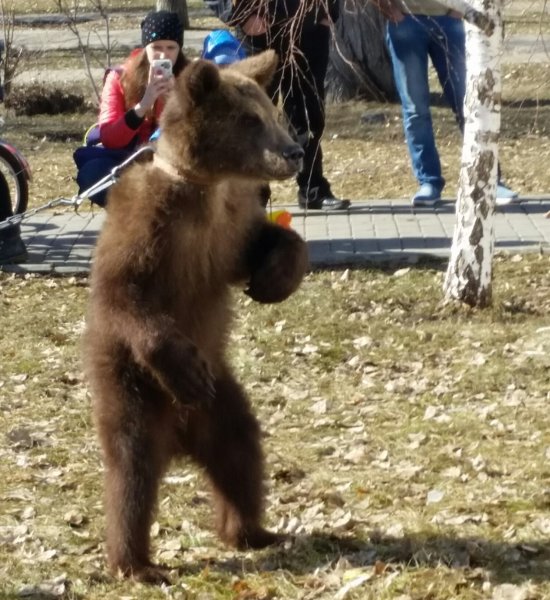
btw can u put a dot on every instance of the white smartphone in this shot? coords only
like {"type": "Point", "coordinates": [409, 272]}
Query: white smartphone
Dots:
{"type": "Point", "coordinates": [162, 65]}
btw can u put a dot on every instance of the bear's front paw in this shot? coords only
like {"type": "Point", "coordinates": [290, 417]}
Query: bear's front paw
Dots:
{"type": "Point", "coordinates": [269, 286]}
{"type": "Point", "coordinates": [277, 262]}
{"type": "Point", "coordinates": [279, 276]}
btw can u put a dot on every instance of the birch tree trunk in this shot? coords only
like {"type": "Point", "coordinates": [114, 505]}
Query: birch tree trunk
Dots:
{"type": "Point", "coordinates": [177, 6]}
{"type": "Point", "coordinates": [469, 274]}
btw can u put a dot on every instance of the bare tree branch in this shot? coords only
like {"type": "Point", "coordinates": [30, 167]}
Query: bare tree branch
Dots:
{"type": "Point", "coordinates": [72, 9]}
{"type": "Point", "coordinates": [12, 54]}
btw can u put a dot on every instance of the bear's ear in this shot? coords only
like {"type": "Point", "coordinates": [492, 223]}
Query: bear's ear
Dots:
{"type": "Point", "coordinates": [261, 67]}
{"type": "Point", "coordinates": [200, 78]}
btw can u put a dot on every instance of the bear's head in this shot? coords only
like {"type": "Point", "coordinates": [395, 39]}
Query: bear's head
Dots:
{"type": "Point", "coordinates": [220, 123]}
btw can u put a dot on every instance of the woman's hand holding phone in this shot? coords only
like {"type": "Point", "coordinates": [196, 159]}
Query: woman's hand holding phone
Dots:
{"type": "Point", "coordinates": [161, 81]}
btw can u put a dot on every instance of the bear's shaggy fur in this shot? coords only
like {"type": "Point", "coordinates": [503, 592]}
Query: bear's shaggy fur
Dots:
{"type": "Point", "coordinates": [179, 231]}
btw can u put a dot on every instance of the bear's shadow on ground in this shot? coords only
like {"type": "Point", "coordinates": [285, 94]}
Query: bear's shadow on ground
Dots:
{"type": "Point", "coordinates": [514, 562]}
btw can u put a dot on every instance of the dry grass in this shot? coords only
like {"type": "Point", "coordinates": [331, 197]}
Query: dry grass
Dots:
{"type": "Point", "coordinates": [406, 444]}
{"type": "Point", "coordinates": [406, 440]}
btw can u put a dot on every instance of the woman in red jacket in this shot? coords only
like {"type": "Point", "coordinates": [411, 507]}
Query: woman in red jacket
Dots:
{"type": "Point", "coordinates": [133, 98]}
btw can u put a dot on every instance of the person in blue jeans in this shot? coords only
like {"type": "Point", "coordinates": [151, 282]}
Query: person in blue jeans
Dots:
{"type": "Point", "coordinates": [419, 31]}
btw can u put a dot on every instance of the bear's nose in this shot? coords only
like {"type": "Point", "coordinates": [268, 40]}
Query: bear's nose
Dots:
{"type": "Point", "coordinates": [294, 152]}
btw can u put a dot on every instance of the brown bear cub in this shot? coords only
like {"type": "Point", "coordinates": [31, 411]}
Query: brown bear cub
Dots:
{"type": "Point", "coordinates": [180, 230]}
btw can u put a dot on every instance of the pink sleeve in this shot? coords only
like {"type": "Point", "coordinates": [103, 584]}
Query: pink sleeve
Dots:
{"type": "Point", "coordinates": [113, 131]}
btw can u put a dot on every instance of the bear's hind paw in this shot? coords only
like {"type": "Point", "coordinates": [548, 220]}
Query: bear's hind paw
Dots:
{"type": "Point", "coordinates": [260, 538]}
{"type": "Point", "coordinates": [152, 574]}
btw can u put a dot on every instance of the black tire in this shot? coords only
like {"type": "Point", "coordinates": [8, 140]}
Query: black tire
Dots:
{"type": "Point", "coordinates": [13, 181]}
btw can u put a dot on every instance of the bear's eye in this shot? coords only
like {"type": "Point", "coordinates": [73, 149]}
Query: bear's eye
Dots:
{"type": "Point", "coordinates": [251, 122]}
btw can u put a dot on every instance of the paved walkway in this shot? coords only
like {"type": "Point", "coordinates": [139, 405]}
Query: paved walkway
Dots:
{"type": "Point", "coordinates": [36, 33]}
{"type": "Point", "coordinates": [373, 231]}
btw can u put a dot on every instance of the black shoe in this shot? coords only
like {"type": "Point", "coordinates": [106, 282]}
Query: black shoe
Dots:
{"type": "Point", "coordinates": [12, 248]}
{"type": "Point", "coordinates": [314, 200]}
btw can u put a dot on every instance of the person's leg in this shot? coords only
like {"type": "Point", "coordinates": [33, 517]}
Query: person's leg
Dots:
{"type": "Point", "coordinates": [448, 54]}
{"type": "Point", "coordinates": [254, 45]}
{"type": "Point", "coordinates": [91, 172]}
{"type": "Point", "coordinates": [12, 248]}
{"type": "Point", "coordinates": [5, 203]}
{"type": "Point", "coordinates": [307, 108]}
{"type": "Point", "coordinates": [303, 94]}
{"type": "Point", "coordinates": [408, 43]}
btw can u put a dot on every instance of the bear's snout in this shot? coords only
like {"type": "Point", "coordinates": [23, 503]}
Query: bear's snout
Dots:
{"type": "Point", "coordinates": [294, 154]}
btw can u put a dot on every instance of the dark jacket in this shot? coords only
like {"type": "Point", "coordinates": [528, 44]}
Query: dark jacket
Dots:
{"type": "Point", "coordinates": [277, 12]}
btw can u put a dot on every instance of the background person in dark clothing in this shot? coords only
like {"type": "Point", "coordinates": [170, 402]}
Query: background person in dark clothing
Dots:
{"type": "Point", "coordinates": [299, 31]}
{"type": "Point", "coordinates": [12, 248]}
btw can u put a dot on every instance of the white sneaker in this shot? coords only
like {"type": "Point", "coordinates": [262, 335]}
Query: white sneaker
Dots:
{"type": "Point", "coordinates": [427, 195]}
{"type": "Point", "coordinates": [506, 196]}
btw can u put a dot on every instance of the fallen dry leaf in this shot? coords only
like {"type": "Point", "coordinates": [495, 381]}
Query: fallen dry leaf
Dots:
{"type": "Point", "coordinates": [509, 591]}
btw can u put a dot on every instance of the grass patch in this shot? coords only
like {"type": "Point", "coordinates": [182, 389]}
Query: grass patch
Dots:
{"type": "Point", "coordinates": [406, 440]}
{"type": "Point", "coordinates": [406, 443]}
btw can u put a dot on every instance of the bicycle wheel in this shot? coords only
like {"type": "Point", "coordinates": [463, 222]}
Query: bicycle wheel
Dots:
{"type": "Point", "coordinates": [12, 172]}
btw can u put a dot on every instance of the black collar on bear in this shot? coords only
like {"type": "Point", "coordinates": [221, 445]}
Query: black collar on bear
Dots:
{"type": "Point", "coordinates": [183, 176]}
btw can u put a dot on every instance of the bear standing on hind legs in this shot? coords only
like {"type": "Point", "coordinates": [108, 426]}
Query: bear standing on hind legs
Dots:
{"type": "Point", "coordinates": [180, 230]}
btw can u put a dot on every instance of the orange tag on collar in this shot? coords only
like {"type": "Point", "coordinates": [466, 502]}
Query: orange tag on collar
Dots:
{"type": "Point", "coordinates": [280, 217]}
